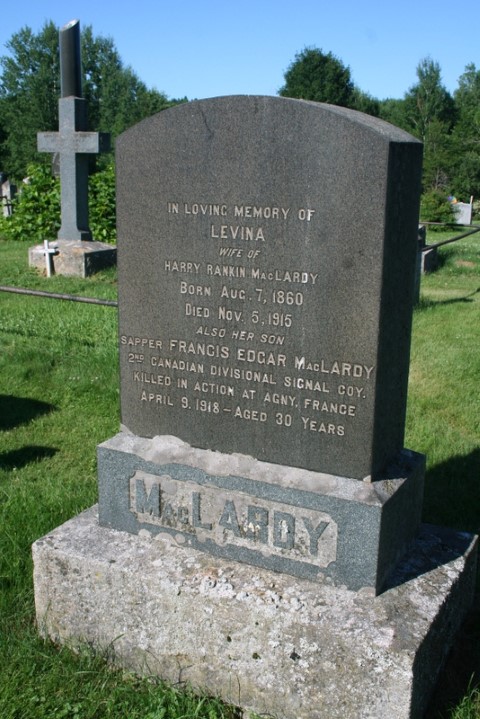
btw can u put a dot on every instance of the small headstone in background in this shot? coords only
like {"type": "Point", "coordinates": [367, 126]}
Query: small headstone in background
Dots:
{"type": "Point", "coordinates": [7, 194]}
{"type": "Point", "coordinates": [463, 212]}
{"type": "Point", "coordinates": [49, 252]}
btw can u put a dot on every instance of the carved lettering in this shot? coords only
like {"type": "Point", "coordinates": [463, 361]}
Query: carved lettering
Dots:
{"type": "Point", "coordinates": [165, 503]}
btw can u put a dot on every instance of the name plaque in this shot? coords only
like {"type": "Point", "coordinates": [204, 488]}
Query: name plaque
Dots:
{"type": "Point", "coordinates": [209, 515]}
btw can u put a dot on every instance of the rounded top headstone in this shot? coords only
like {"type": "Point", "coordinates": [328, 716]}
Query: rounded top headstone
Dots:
{"type": "Point", "coordinates": [267, 251]}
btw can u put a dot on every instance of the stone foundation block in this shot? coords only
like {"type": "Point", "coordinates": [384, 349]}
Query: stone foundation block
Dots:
{"type": "Point", "coordinates": [290, 649]}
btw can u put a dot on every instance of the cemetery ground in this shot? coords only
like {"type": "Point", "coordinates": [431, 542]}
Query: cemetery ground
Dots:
{"type": "Point", "coordinates": [59, 392]}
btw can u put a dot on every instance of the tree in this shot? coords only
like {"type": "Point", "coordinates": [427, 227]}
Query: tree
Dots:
{"type": "Point", "coordinates": [430, 115]}
{"type": "Point", "coordinates": [319, 76]}
{"type": "Point", "coordinates": [438, 158]}
{"type": "Point", "coordinates": [467, 99]}
{"type": "Point", "coordinates": [116, 97]}
{"type": "Point", "coordinates": [363, 102]}
{"type": "Point", "coordinates": [394, 111]}
{"type": "Point", "coordinates": [428, 100]}
{"type": "Point", "coordinates": [30, 88]}
{"type": "Point", "coordinates": [466, 134]}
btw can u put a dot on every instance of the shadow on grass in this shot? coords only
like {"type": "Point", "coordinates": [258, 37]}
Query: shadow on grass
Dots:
{"type": "Point", "coordinates": [451, 516]}
{"type": "Point", "coordinates": [426, 303]}
{"type": "Point", "coordinates": [15, 411]}
{"type": "Point", "coordinates": [452, 497]}
{"type": "Point", "coordinates": [452, 493]}
{"type": "Point", "coordinates": [19, 458]}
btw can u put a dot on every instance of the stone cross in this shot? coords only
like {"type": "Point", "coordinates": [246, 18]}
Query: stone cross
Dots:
{"type": "Point", "coordinates": [73, 143]}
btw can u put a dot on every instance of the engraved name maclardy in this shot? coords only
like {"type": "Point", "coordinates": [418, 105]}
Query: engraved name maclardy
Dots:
{"type": "Point", "coordinates": [162, 503]}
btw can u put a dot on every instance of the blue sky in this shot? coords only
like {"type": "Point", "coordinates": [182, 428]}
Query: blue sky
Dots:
{"type": "Point", "coordinates": [219, 47]}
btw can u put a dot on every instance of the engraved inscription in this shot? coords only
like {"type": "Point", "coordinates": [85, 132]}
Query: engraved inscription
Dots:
{"type": "Point", "coordinates": [255, 316]}
{"type": "Point", "coordinates": [233, 518]}
{"type": "Point", "coordinates": [234, 354]}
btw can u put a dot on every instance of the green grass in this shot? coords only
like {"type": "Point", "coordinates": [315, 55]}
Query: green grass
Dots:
{"type": "Point", "coordinates": [444, 395]}
{"type": "Point", "coordinates": [59, 399]}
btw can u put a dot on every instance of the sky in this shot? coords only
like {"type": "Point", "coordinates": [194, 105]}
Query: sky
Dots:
{"type": "Point", "coordinates": [208, 48]}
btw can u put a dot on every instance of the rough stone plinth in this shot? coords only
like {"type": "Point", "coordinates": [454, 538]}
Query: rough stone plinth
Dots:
{"type": "Point", "coordinates": [291, 650]}
{"type": "Point", "coordinates": [75, 258]}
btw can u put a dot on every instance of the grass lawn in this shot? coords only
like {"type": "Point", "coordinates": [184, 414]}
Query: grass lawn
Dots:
{"type": "Point", "coordinates": [59, 399]}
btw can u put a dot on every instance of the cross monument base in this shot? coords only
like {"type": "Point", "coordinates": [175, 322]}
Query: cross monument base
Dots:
{"type": "Point", "coordinates": [75, 258]}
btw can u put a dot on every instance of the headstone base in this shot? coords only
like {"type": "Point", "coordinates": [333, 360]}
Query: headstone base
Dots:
{"type": "Point", "coordinates": [75, 258]}
{"type": "Point", "coordinates": [255, 638]}
{"type": "Point", "coordinates": [311, 525]}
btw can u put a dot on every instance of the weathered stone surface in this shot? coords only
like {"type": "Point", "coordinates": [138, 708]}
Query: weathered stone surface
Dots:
{"type": "Point", "coordinates": [307, 524]}
{"type": "Point", "coordinates": [291, 650]}
{"type": "Point", "coordinates": [79, 258]}
{"type": "Point", "coordinates": [267, 251]}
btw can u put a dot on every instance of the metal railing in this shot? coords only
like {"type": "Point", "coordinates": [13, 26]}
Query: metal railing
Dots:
{"type": "Point", "coordinates": [476, 228]}
{"type": "Point", "coordinates": [59, 296]}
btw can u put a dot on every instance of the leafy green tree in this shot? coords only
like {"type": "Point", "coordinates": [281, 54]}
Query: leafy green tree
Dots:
{"type": "Point", "coordinates": [428, 100]}
{"type": "Point", "coordinates": [438, 157]}
{"type": "Point", "coordinates": [319, 76]}
{"type": "Point", "coordinates": [116, 97]}
{"type": "Point", "coordinates": [466, 134]}
{"type": "Point", "coordinates": [466, 181]}
{"type": "Point", "coordinates": [467, 99]}
{"type": "Point", "coordinates": [363, 102]}
{"type": "Point", "coordinates": [429, 114]}
{"type": "Point", "coordinates": [394, 111]}
{"type": "Point", "coordinates": [30, 88]}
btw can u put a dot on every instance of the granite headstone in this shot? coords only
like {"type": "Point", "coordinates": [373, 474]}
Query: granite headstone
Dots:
{"type": "Point", "coordinates": [266, 279]}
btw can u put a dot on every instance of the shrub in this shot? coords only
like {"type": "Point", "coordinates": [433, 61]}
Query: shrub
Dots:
{"type": "Point", "coordinates": [435, 207]}
{"type": "Point", "coordinates": [102, 208]}
{"type": "Point", "coordinates": [36, 209]}
{"type": "Point", "coordinates": [476, 211]}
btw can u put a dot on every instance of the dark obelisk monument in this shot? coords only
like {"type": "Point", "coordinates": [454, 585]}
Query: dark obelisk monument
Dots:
{"type": "Point", "coordinates": [77, 253]}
